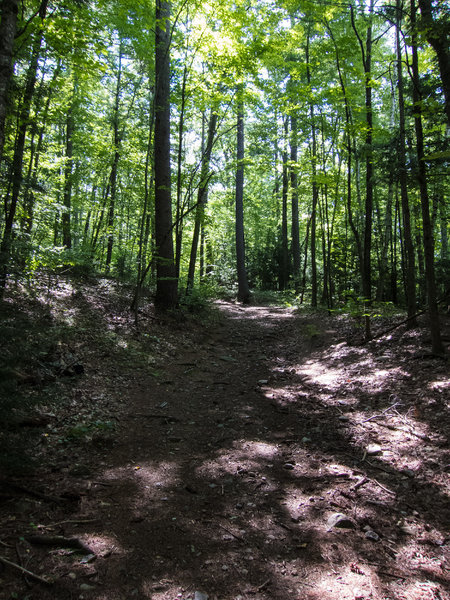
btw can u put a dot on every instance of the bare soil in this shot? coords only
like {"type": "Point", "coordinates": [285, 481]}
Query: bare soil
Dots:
{"type": "Point", "coordinates": [206, 458]}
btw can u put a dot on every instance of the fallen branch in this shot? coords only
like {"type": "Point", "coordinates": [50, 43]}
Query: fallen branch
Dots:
{"type": "Point", "coordinates": [155, 416]}
{"type": "Point", "coordinates": [379, 335]}
{"type": "Point", "coordinates": [383, 413]}
{"type": "Point", "coordinates": [25, 571]}
{"type": "Point", "coordinates": [72, 521]}
{"type": "Point", "coordinates": [59, 540]}
{"type": "Point", "coordinates": [358, 484]}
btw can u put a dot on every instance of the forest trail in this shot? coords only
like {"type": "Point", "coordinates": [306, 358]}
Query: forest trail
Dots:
{"type": "Point", "coordinates": [236, 447]}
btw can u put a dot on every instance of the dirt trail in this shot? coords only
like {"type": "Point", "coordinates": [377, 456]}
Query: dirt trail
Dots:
{"type": "Point", "coordinates": [234, 454]}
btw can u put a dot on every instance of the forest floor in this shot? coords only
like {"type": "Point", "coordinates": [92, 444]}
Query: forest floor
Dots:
{"type": "Point", "coordinates": [255, 453]}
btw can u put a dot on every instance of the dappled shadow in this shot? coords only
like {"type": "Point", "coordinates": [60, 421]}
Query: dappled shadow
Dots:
{"type": "Point", "coordinates": [233, 454]}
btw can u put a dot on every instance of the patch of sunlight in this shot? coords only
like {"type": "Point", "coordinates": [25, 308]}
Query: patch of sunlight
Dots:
{"type": "Point", "coordinates": [380, 374]}
{"type": "Point", "coordinates": [320, 374]}
{"type": "Point", "coordinates": [122, 344]}
{"type": "Point", "coordinates": [440, 386]}
{"type": "Point", "coordinates": [104, 544]}
{"type": "Point", "coordinates": [246, 455]}
{"type": "Point", "coordinates": [149, 474]}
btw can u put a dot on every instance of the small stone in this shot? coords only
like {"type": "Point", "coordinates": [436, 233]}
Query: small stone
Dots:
{"type": "Point", "coordinates": [288, 466]}
{"type": "Point", "coordinates": [263, 382]}
{"type": "Point", "coordinates": [372, 535]}
{"type": "Point", "coordinates": [200, 596]}
{"type": "Point", "coordinates": [373, 449]}
{"type": "Point", "coordinates": [86, 587]}
{"type": "Point", "coordinates": [343, 418]}
{"type": "Point", "coordinates": [225, 567]}
{"type": "Point", "coordinates": [341, 521]}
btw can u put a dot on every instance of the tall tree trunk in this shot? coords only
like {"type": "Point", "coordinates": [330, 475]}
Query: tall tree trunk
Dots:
{"type": "Point", "coordinates": [33, 171]}
{"type": "Point", "coordinates": [348, 140]}
{"type": "Point", "coordinates": [315, 189]}
{"type": "Point", "coordinates": [68, 177]}
{"type": "Point", "coordinates": [24, 117]}
{"type": "Point", "coordinates": [8, 24]}
{"type": "Point", "coordinates": [166, 279]}
{"type": "Point", "coordinates": [178, 217]}
{"type": "Point", "coordinates": [438, 37]}
{"type": "Point", "coordinates": [401, 153]}
{"type": "Point", "coordinates": [243, 289]}
{"type": "Point", "coordinates": [284, 267]}
{"type": "Point", "coordinates": [295, 230]}
{"type": "Point", "coordinates": [428, 242]}
{"type": "Point", "coordinates": [202, 198]}
{"type": "Point", "coordinates": [144, 224]}
{"type": "Point", "coordinates": [113, 176]}
{"type": "Point", "coordinates": [366, 55]}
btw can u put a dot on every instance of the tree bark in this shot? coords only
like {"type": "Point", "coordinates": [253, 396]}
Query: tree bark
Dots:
{"type": "Point", "coordinates": [407, 236]}
{"type": "Point", "coordinates": [68, 177]}
{"type": "Point", "coordinates": [284, 267]}
{"type": "Point", "coordinates": [113, 175]}
{"type": "Point", "coordinates": [8, 24]}
{"type": "Point", "coordinates": [202, 198]}
{"type": "Point", "coordinates": [166, 280]}
{"type": "Point", "coordinates": [439, 39]}
{"type": "Point", "coordinates": [243, 289]}
{"type": "Point", "coordinates": [17, 165]}
{"type": "Point", "coordinates": [295, 230]}
{"type": "Point", "coordinates": [366, 55]}
{"type": "Point", "coordinates": [178, 218]}
{"type": "Point", "coordinates": [428, 242]}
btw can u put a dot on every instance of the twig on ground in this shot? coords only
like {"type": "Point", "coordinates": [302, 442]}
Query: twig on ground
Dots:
{"type": "Point", "coordinates": [72, 521]}
{"type": "Point", "coordinates": [384, 488]}
{"type": "Point", "coordinates": [359, 483]}
{"type": "Point", "coordinates": [382, 413]}
{"type": "Point", "coordinates": [25, 571]}
{"type": "Point", "coordinates": [155, 416]}
{"type": "Point", "coordinates": [263, 585]}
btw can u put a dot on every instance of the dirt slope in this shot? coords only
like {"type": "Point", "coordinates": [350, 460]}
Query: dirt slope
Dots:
{"type": "Point", "coordinates": [235, 446]}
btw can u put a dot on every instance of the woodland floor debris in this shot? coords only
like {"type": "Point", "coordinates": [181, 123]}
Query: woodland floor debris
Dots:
{"type": "Point", "coordinates": [170, 464]}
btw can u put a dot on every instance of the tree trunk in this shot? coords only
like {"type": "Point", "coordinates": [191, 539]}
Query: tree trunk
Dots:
{"type": "Point", "coordinates": [243, 289]}
{"type": "Point", "coordinates": [428, 243]}
{"type": "Point", "coordinates": [24, 117]}
{"type": "Point", "coordinates": [202, 198]}
{"type": "Point", "coordinates": [348, 137]}
{"type": "Point", "coordinates": [366, 55]}
{"type": "Point", "coordinates": [284, 267]}
{"type": "Point", "coordinates": [315, 190]}
{"type": "Point", "coordinates": [166, 280]}
{"type": "Point", "coordinates": [68, 177]}
{"type": "Point", "coordinates": [437, 35]}
{"type": "Point", "coordinates": [8, 24]}
{"type": "Point", "coordinates": [178, 217]}
{"type": "Point", "coordinates": [401, 153]}
{"type": "Point", "coordinates": [33, 170]}
{"type": "Point", "coordinates": [113, 176]}
{"type": "Point", "coordinates": [295, 231]}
